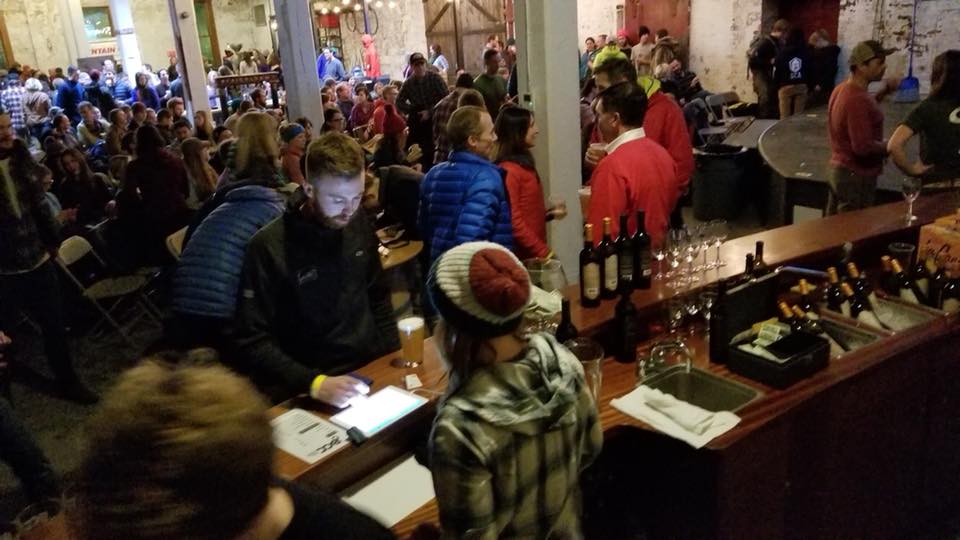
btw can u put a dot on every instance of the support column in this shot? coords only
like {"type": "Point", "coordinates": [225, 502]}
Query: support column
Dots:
{"type": "Point", "coordinates": [72, 14]}
{"type": "Point", "coordinates": [549, 85]}
{"type": "Point", "coordinates": [186, 38]}
{"type": "Point", "coordinates": [299, 57]}
{"type": "Point", "coordinates": [130, 57]}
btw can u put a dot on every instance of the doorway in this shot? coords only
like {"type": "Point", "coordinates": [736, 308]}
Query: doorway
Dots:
{"type": "Point", "coordinates": [461, 28]}
{"type": "Point", "coordinates": [810, 15]}
{"type": "Point", "coordinates": [207, 30]}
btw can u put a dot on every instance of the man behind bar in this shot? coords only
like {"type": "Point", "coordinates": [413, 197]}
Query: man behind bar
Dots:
{"type": "Point", "coordinates": [314, 300]}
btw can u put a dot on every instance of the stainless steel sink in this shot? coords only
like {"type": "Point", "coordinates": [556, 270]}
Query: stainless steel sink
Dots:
{"type": "Point", "coordinates": [702, 388]}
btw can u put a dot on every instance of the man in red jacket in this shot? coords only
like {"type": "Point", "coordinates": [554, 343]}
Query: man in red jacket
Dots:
{"type": "Point", "coordinates": [637, 173]}
{"type": "Point", "coordinates": [663, 123]}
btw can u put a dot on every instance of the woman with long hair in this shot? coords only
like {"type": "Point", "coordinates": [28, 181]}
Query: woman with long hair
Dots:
{"type": "Point", "coordinates": [145, 93]}
{"type": "Point", "coordinates": [81, 189]}
{"type": "Point", "coordinates": [390, 149]}
{"type": "Point", "coordinates": [202, 177]}
{"type": "Point", "coordinates": [517, 131]}
{"type": "Point", "coordinates": [517, 424]}
{"type": "Point", "coordinates": [937, 120]}
{"type": "Point", "coordinates": [203, 125]}
{"type": "Point", "coordinates": [256, 152]}
{"type": "Point", "coordinates": [116, 131]}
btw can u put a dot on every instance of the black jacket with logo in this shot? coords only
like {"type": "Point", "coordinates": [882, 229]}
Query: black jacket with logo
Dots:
{"type": "Point", "coordinates": [314, 300]}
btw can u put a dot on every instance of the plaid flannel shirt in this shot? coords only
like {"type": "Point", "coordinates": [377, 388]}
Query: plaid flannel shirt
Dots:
{"type": "Point", "coordinates": [13, 98]}
{"type": "Point", "coordinates": [442, 112]}
{"type": "Point", "coordinates": [508, 446]}
{"type": "Point", "coordinates": [421, 94]}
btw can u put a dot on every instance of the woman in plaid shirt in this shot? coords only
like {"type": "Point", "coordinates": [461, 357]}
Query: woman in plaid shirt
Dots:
{"type": "Point", "coordinates": [518, 424]}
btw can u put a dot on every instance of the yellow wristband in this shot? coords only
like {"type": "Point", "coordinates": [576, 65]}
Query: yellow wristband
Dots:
{"type": "Point", "coordinates": [315, 385]}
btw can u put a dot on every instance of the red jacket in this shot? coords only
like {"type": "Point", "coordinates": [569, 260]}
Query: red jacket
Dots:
{"type": "Point", "coordinates": [638, 174]}
{"type": "Point", "coordinates": [664, 124]}
{"type": "Point", "coordinates": [528, 213]}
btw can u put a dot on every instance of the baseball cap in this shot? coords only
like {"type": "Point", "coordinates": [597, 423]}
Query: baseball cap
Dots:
{"type": "Point", "coordinates": [865, 51]}
{"type": "Point", "coordinates": [416, 58]}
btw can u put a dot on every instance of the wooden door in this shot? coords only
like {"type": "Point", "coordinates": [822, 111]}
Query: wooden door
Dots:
{"type": "Point", "coordinates": [811, 15]}
{"type": "Point", "coordinates": [674, 15]}
{"type": "Point", "coordinates": [461, 28]}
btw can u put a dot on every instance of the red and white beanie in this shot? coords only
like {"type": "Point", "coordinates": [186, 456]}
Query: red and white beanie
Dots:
{"type": "Point", "coordinates": [480, 288]}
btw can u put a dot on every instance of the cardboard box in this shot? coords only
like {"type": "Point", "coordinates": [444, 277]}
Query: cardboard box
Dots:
{"type": "Point", "coordinates": [941, 240]}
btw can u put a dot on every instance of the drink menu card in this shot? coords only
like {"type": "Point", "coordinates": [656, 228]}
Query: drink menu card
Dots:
{"type": "Point", "coordinates": [307, 436]}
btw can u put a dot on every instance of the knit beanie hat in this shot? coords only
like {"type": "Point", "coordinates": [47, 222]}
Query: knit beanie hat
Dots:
{"type": "Point", "coordinates": [290, 131]}
{"type": "Point", "coordinates": [393, 123]}
{"type": "Point", "coordinates": [480, 288]}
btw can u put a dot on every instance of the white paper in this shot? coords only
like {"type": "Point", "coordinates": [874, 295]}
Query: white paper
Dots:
{"type": "Point", "coordinates": [396, 494]}
{"type": "Point", "coordinates": [307, 436]}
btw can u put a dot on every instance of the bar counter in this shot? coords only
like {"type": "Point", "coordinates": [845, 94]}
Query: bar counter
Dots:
{"type": "Point", "coordinates": [869, 447]}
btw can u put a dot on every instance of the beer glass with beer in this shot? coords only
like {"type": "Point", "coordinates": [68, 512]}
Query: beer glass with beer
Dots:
{"type": "Point", "coordinates": [411, 331]}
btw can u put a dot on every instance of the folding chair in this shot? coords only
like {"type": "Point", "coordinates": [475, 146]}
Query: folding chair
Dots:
{"type": "Point", "coordinates": [721, 103]}
{"type": "Point", "coordinates": [107, 293]}
{"type": "Point", "coordinates": [175, 243]}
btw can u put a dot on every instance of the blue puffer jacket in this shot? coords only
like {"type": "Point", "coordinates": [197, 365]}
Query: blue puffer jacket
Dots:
{"type": "Point", "coordinates": [207, 278]}
{"type": "Point", "coordinates": [462, 200]}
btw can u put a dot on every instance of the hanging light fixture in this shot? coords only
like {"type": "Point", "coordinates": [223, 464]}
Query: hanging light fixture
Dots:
{"type": "Point", "coordinates": [392, 5]}
{"type": "Point", "coordinates": [358, 7]}
{"type": "Point", "coordinates": [336, 9]}
{"type": "Point", "coordinates": [379, 4]}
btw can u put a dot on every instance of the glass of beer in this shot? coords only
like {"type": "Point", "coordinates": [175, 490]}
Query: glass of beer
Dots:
{"type": "Point", "coordinates": [411, 331]}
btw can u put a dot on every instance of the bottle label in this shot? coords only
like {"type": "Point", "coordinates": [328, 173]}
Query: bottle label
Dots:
{"type": "Point", "coordinates": [951, 305]}
{"type": "Point", "coordinates": [591, 281]}
{"type": "Point", "coordinates": [610, 267]}
{"type": "Point", "coordinates": [626, 266]}
{"type": "Point", "coordinates": [645, 264]}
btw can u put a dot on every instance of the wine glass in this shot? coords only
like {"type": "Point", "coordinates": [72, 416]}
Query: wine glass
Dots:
{"type": "Point", "coordinates": [720, 233]}
{"type": "Point", "coordinates": [911, 190]}
{"type": "Point", "coordinates": [692, 248]}
{"type": "Point", "coordinates": [692, 307]}
{"type": "Point", "coordinates": [676, 311]}
{"type": "Point", "coordinates": [660, 253]}
{"type": "Point", "coordinates": [703, 234]}
{"type": "Point", "coordinates": [674, 247]}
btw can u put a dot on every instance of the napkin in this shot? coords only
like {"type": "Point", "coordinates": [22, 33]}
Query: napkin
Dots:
{"type": "Point", "coordinates": [544, 304]}
{"type": "Point", "coordinates": [676, 418]}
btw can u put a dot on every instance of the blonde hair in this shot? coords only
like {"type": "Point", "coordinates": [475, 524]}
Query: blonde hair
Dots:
{"type": "Point", "coordinates": [256, 143]}
{"type": "Point", "coordinates": [464, 123]}
{"type": "Point", "coordinates": [175, 452]}
{"type": "Point", "coordinates": [202, 175]}
{"type": "Point", "coordinates": [208, 123]}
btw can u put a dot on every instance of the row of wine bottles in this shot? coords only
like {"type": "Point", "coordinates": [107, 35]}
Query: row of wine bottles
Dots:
{"type": "Point", "coordinates": [614, 266]}
{"type": "Point", "coordinates": [928, 284]}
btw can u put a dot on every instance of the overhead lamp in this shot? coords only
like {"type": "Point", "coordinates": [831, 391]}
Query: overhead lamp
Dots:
{"type": "Point", "coordinates": [379, 4]}
{"type": "Point", "coordinates": [392, 4]}
{"type": "Point", "coordinates": [324, 11]}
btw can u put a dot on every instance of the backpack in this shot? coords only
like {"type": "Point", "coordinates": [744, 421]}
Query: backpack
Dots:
{"type": "Point", "coordinates": [98, 158]}
{"type": "Point", "coordinates": [753, 52]}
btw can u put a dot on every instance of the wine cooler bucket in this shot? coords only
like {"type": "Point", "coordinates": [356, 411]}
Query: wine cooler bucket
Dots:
{"type": "Point", "coordinates": [810, 354]}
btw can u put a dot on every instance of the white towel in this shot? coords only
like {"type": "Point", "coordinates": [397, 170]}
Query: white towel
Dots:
{"type": "Point", "coordinates": [679, 419]}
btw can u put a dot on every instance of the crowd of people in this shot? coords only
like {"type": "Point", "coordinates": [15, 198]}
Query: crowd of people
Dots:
{"type": "Point", "coordinates": [280, 273]}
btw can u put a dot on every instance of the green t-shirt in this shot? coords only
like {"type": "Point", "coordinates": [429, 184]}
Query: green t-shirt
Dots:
{"type": "Point", "coordinates": [938, 123]}
{"type": "Point", "coordinates": [494, 91]}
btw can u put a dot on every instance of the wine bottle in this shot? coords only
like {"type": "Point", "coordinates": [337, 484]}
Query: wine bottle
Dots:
{"type": "Point", "coordinates": [718, 341]}
{"type": "Point", "coordinates": [641, 246]}
{"type": "Point", "coordinates": [805, 304]}
{"type": "Point", "coordinates": [759, 265]}
{"type": "Point", "coordinates": [626, 328]}
{"type": "Point", "coordinates": [908, 288]}
{"type": "Point", "coordinates": [786, 317]}
{"type": "Point", "coordinates": [834, 295]}
{"type": "Point", "coordinates": [921, 277]}
{"type": "Point", "coordinates": [935, 284]}
{"type": "Point", "coordinates": [566, 331]}
{"type": "Point", "coordinates": [806, 322]}
{"type": "Point", "coordinates": [590, 270]}
{"type": "Point", "coordinates": [626, 256]}
{"type": "Point", "coordinates": [888, 281]}
{"type": "Point", "coordinates": [610, 268]}
{"type": "Point", "coordinates": [857, 305]}
{"type": "Point", "coordinates": [950, 294]}
{"type": "Point", "coordinates": [858, 283]}
{"type": "Point", "coordinates": [747, 272]}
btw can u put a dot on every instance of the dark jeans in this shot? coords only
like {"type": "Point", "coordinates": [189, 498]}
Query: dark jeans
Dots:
{"type": "Point", "coordinates": [422, 133]}
{"type": "Point", "coordinates": [36, 294]}
{"type": "Point", "coordinates": [20, 451]}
